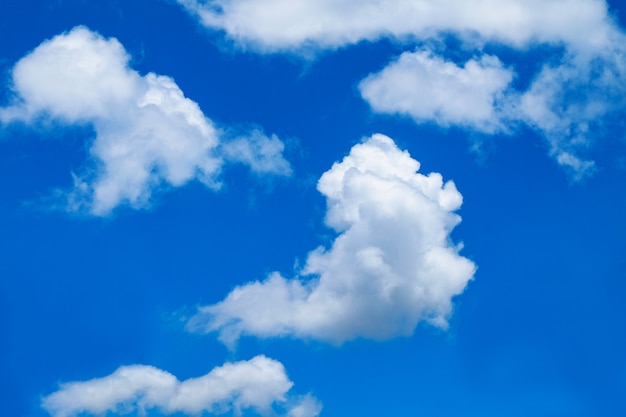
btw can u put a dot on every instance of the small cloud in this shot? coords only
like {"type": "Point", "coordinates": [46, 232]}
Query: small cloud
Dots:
{"type": "Point", "coordinates": [307, 406]}
{"type": "Point", "coordinates": [570, 103]}
{"type": "Point", "coordinates": [262, 154]}
{"type": "Point", "coordinates": [578, 168]}
{"type": "Point", "coordinates": [425, 87]}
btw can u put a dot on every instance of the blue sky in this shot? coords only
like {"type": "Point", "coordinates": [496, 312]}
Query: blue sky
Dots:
{"type": "Point", "coordinates": [254, 208]}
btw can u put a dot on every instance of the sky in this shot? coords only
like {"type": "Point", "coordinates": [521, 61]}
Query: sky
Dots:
{"type": "Point", "coordinates": [313, 208]}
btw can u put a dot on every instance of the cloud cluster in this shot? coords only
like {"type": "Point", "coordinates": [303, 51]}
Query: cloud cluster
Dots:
{"type": "Point", "coordinates": [148, 134]}
{"type": "Point", "coordinates": [567, 102]}
{"type": "Point", "coordinates": [391, 266]}
{"type": "Point", "coordinates": [581, 84]}
{"type": "Point", "coordinates": [257, 384]}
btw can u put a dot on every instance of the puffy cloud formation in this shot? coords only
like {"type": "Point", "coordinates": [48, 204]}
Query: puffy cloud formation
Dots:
{"type": "Point", "coordinates": [427, 88]}
{"type": "Point", "coordinates": [391, 266]}
{"type": "Point", "coordinates": [290, 25]}
{"type": "Point", "coordinates": [256, 384]}
{"type": "Point", "coordinates": [582, 83]}
{"type": "Point", "coordinates": [148, 133]}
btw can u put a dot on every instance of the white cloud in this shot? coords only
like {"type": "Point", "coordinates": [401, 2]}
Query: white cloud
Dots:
{"type": "Point", "coordinates": [256, 384]}
{"type": "Point", "coordinates": [307, 406]}
{"type": "Point", "coordinates": [262, 154]}
{"type": "Point", "coordinates": [148, 134]}
{"type": "Point", "coordinates": [570, 102]}
{"type": "Point", "coordinates": [291, 25]}
{"type": "Point", "coordinates": [427, 88]}
{"type": "Point", "coordinates": [391, 266]}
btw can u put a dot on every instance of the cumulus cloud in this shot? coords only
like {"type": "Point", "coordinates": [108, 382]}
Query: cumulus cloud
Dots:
{"type": "Point", "coordinates": [148, 134]}
{"type": "Point", "coordinates": [391, 266]}
{"type": "Point", "coordinates": [256, 384]}
{"type": "Point", "coordinates": [290, 25]}
{"type": "Point", "coordinates": [427, 88]}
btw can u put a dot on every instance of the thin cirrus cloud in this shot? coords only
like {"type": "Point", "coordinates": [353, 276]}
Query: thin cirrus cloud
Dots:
{"type": "Point", "coordinates": [391, 266]}
{"type": "Point", "coordinates": [257, 384]}
{"type": "Point", "coordinates": [147, 133]}
{"type": "Point", "coordinates": [578, 87]}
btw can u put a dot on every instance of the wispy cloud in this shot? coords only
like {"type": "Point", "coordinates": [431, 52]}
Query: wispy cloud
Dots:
{"type": "Point", "coordinates": [147, 133]}
{"type": "Point", "coordinates": [257, 384]}
{"type": "Point", "coordinates": [391, 266]}
{"type": "Point", "coordinates": [571, 102]}
{"type": "Point", "coordinates": [264, 155]}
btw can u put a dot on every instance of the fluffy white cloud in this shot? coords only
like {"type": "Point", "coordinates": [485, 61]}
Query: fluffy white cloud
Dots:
{"type": "Point", "coordinates": [391, 266]}
{"type": "Point", "coordinates": [256, 384]}
{"type": "Point", "coordinates": [274, 25]}
{"type": "Point", "coordinates": [148, 133]}
{"type": "Point", "coordinates": [427, 88]}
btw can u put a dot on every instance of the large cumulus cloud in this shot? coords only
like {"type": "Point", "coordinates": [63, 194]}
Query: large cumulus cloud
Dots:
{"type": "Point", "coordinates": [391, 266]}
{"type": "Point", "coordinates": [148, 134]}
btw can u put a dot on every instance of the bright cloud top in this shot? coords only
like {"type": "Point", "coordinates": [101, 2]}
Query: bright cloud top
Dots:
{"type": "Point", "coordinates": [256, 384]}
{"type": "Point", "coordinates": [392, 265]}
{"type": "Point", "coordinates": [582, 83]}
{"type": "Point", "coordinates": [147, 132]}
